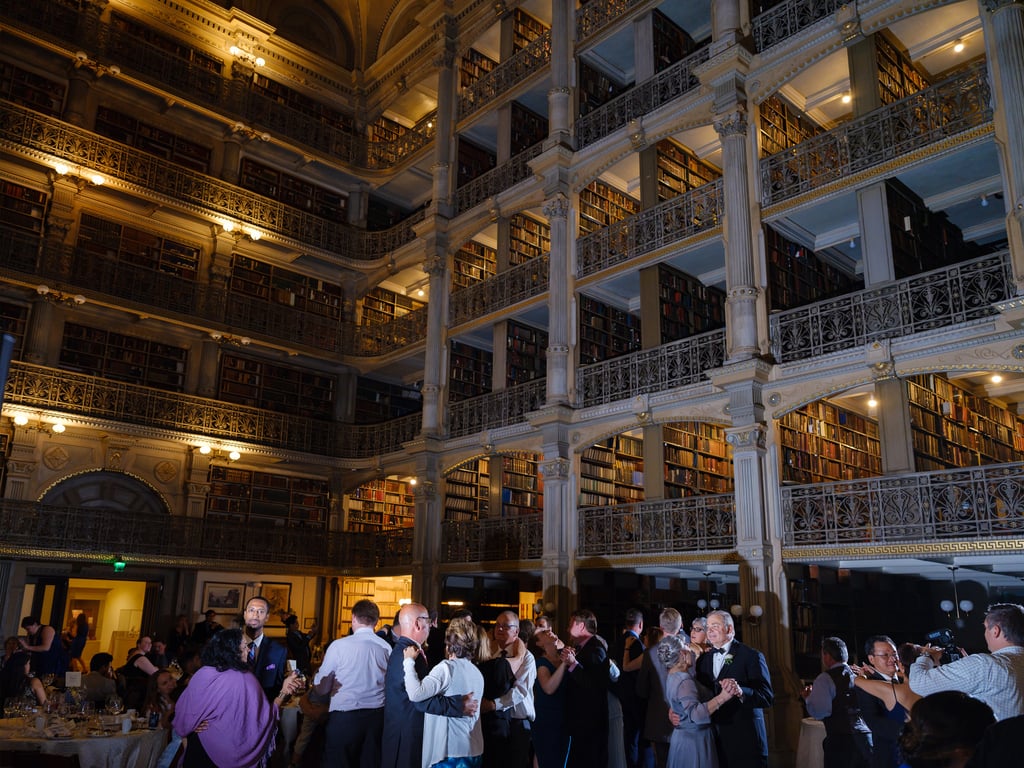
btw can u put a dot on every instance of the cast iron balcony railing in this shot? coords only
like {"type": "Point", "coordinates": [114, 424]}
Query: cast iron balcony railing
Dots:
{"type": "Point", "coordinates": [496, 180]}
{"type": "Point", "coordinates": [495, 409]}
{"type": "Point", "coordinates": [493, 540]}
{"type": "Point", "coordinates": [676, 364]}
{"type": "Point", "coordinates": [24, 130]}
{"type": "Point", "coordinates": [506, 76]}
{"type": "Point", "coordinates": [691, 213]}
{"type": "Point", "coordinates": [74, 28]}
{"type": "Point", "coordinates": [49, 531]}
{"type": "Point", "coordinates": [787, 18]}
{"type": "Point", "coordinates": [665, 87]}
{"type": "Point", "coordinates": [592, 18]}
{"type": "Point", "coordinates": [933, 116]}
{"type": "Point", "coordinates": [692, 524]}
{"type": "Point", "coordinates": [400, 333]}
{"type": "Point", "coordinates": [522, 282]}
{"type": "Point", "coordinates": [971, 503]}
{"type": "Point", "coordinates": [43, 388]}
{"type": "Point", "coordinates": [936, 299]}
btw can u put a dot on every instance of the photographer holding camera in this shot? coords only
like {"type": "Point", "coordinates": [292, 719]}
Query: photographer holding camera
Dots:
{"type": "Point", "coordinates": [997, 677]}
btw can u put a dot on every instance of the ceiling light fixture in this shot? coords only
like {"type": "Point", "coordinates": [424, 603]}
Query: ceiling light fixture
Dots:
{"type": "Point", "coordinates": [956, 605]}
{"type": "Point", "coordinates": [984, 201]}
{"type": "Point", "coordinates": [872, 402]}
{"type": "Point", "coordinates": [958, 46]}
{"type": "Point", "coordinates": [58, 298]}
{"type": "Point", "coordinates": [847, 98]}
{"type": "Point", "coordinates": [996, 378]}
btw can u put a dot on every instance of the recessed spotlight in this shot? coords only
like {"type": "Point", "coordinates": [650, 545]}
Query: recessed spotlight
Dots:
{"type": "Point", "coordinates": [996, 378]}
{"type": "Point", "coordinates": [872, 402]}
{"type": "Point", "coordinates": [958, 46]}
{"type": "Point", "coordinates": [847, 98]}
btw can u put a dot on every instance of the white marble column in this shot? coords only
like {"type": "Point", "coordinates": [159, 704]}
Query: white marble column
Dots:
{"type": "Point", "coordinates": [560, 95]}
{"type": "Point", "coordinates": [558, 366]}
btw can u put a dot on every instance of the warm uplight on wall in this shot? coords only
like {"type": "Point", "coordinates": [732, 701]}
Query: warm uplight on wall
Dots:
{"type": "Point", "coordinates": [958, 46]}
{"type": "Point", "coordinates": [847, 98]}
{"type": "Point", "coordinates": [872, 402]}
{"type": "Point", "coordinates": [996, 378]}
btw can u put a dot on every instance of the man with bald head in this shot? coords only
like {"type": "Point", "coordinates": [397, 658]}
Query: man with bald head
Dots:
{"type": "Point", "coordinates": [402, 743]}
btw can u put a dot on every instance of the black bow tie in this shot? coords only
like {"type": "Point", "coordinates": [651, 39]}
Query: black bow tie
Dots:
{"type": "Point", "coordinates": [718, 650]}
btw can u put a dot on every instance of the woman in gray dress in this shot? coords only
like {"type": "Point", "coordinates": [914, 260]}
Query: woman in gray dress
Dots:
{"type": "Point", "coordinates": [693, 740]}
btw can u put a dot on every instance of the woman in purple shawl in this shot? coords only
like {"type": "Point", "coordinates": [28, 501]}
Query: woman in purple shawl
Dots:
{"type": "Point", "coordinates": [223, 711]}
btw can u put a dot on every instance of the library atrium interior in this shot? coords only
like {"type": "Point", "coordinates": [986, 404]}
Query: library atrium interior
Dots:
{"type": "Point", "coordinates": [543, 304]}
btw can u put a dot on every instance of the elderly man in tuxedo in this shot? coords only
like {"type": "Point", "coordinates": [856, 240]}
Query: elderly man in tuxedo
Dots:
{"type": "Point", "coordinates": [739, 724]}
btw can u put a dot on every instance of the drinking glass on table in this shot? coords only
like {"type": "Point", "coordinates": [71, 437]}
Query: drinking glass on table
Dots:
{"type": "Point", "coordinates": [115, 705]}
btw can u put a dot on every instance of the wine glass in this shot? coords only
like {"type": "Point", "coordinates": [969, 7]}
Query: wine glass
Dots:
{"type": "Point", "coordinates": [115, 705]}
{"type": "Point", "coordinates": [48, 679]}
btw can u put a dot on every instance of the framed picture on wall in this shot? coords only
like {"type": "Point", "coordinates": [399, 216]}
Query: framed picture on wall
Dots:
{"type": "Point", "coordinates": [279, 595]}
{"type": "Point", "coordinates": [222, 597]}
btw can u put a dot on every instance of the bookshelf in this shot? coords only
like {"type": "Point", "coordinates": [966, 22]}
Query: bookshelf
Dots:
{"type": "Point", "coordinates": [275, 387]}
{"type": "Point", "coordinates": [472, 263]}
{"type": "Point", "coordinates": [952, 427]}
{"type": "Point", "coordinates": [688, 307]}
{"type": "Point", "coordinates": [381, 505]}
{"type": "Point", "coordinates": [612, 472]}
{"type": "Point", "coordinates": [474, 161]}
{"type": "Point", "coordinates": [525, 29]}
{"type": "Point", "coordinates": [300, 102]}
{"type": "Point", "coordinates": [473, 66]}
{"type": "Point", "coordinates": [823, 443]}
{"type": "Point", "coordinates": [470, 373]}
{"type": "Point", "coordinates": [117, 356]}
{"type": "Point", "coordinates": [152, 140]}
{"type": "Point", "coordinates": [522, 487]}
{"type": "Point", "coordinates": [797, 276]}
{"type": "Point", "coordinates": [22, 207]}
{"type": "Point", "coordinates": [382, 306]}
{"type": "Point", "coordinates": [31, 90]}
{"type": "Point", "coordinates": [528, 238]}
{"type": "Point", "coordinates": [698, 460]}
{"type": "Point", "coordinates": [601, 205]}
{"type": "Point", "coordinates": [671, 43]}
{"type": "Point", "coordinates": [14, 321]}
{"type": "Point", "coordinates": [897, 75]}
{"type": "Point", "coordinates": [132, 28]}
{"type": "Point", "coordinates": [528, 128]}
{"type": "Point", "coordinates": [605, 331]}
{"type": "Point", "coordinates": [526, 353]}
{"type": "Point", "coordinates": [108, 239]}
{"type": "Point", "coordinates": [680, 170]}
{"type": "Point", "coordinates": [467, 493]}
{"type": "Point", "coordinates": [277, 285]}
{"type": "Point", "coordinates": [264, 498]}
{"type": "Point", "coordinates": [921, 240]}
{"type": "Point", "coordinates": [378, 401]}
{"type": "Point", "coordinates": [293, 191]}
{"type": "Point", "coordinates": [782, 126]}
{"type": "Point", "coordinates": [595, 88]}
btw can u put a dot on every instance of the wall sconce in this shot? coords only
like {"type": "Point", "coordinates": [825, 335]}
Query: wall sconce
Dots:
{"type": "Point", "coordinates": [247, 56]}
{"type": "Point", "coordinates": [207, 450]}
{"type": "Point", "coordinates": [82, 61]}
{"type": "Point", "coordinates": [754, 613]}
{"type": "Point", "coordinates": [56, 428]}
{"type": "Point", "coordinates": [227, 338]}
{"type": "Point", "coordinates": [82, 177]}
{"type": "Point", "coordinates": [58, 298]}
{"type": "Point", "coordinates": [960, 607]}
{"type": "Point", "coordinates": [250, 133]}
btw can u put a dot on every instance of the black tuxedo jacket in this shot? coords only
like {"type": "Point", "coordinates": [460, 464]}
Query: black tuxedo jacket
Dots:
{"type": "Point", "coordinates": [885, 726]}
{"type": "Point", "coordinates": [270, 666]}
{"type": "Point", "coordinates": [739, 725]}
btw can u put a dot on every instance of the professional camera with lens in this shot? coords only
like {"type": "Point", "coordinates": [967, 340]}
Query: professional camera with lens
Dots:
{"type": "Point", "coordinates": [943, 638]}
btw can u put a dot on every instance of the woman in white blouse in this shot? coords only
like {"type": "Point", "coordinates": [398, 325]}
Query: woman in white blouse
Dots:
{"type": "Point", "coordinates": [450, 742]}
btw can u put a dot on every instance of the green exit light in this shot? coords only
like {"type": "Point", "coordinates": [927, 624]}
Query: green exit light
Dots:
{"type": "Point", "coordinates": [119, 565]}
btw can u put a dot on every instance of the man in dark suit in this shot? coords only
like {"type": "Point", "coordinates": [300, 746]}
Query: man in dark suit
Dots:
{"type": "Point", "coordinates": [586, 694]}
{"type": "Point", "coordinates": [267, 659]}
{"type": "Point", "coordinates": [885, 724]}
{"type": "Point", "coordinates": [739, 725]}
{"type": "Point", "coordinates": [402, 742]}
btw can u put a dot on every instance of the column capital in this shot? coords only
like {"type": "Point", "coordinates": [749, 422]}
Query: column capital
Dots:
{"type": "Point", "coordinates": [995, 5]}
{"type": "Point", "coordinates": [732, 123]}
{"type": "Point", "coordinates": [751, 437]}
{"type": "Point", "coordinates": [556, 469]}
{"type": "Point", "coordinates": [557, 207]}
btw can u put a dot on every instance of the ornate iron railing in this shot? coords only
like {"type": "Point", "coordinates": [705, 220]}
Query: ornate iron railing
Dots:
{"type": "Point", "coordinates": [40, 387]}
{"type": "Point", "coordinates": [495, 409]}
{"type": "Point", "coordinates": [496, 180]}
{"type": "Point", "coordinates": [664, 88]}
{"type": "Point", "coordinates": [691, 213]}
{"type": "Point", "coordinates": [671, 365]}
{"type": "Point", "coordinates": [940, 112]}
{"type": "Point", "coordinates": [591, 18]}
{"type": "Point", "coordinates": [695, 523]}
{"type": "Point", "coordinates": [61, 531]}
{"type": "Point", "coordinates": [503, 290]}
{"type": "Point", "coordinates": [936, 299]}
{"type": "Point", "coordinates": [504, 77]}
{"type": "Point", "coordinates": [971, 503]}
{"type": "Point", "coordinates": [400, 333]}
{"type": "Point", "coordinates": [74, 29]}
{"type": "Point", "coordinates": [492, 540]}
{"type": "Point", "coordinates": [787, 18]}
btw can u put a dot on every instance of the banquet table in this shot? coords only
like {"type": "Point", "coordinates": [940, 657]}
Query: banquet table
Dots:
{"type": "Point", "coordinates": [809, 753]}
{"type": "Point", "coordinates": [137, 749]}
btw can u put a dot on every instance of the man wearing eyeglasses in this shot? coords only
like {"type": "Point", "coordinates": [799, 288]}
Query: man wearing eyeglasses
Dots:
{"type": "Point", "coordinates": [515, 751]}
{"type": "Point", "coordinates": [885, 724]}
{"type": "Point", "coordinates": [402, 741]}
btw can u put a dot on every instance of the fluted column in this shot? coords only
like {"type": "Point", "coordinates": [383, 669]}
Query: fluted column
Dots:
{"type": "Point", "coordinates": [740, 276]}
{"type": "Point", "coordinates": [1004, 25]}
{"type": "Point", "coordinates": [444, 143]}
{"type": "Point", "coordinates": [434, 373]}
{"type": "Point", "coordinates": [558, 368]}
{"type": "Point", "coordinates": [559, 517]}
{"type": "Point", "coordinates": [560, 95]}
{"type": "Point", "coordinates": [79, 84]}
{"type": "Point", "coordinates": [426, 540]}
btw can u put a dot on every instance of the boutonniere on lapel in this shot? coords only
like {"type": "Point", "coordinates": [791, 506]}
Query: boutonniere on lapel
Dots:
{"type": "Point", "coordinates": [727, 660]}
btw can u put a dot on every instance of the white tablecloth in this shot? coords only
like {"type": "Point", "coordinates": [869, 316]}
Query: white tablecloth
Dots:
{"type": "Point", "coordinates": [808, 752]}
{"type": "Point", "coordinates": [138, 749]}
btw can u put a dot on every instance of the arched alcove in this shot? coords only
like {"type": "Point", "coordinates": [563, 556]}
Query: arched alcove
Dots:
{"type": "Point", "coordinates": [104, 489]}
